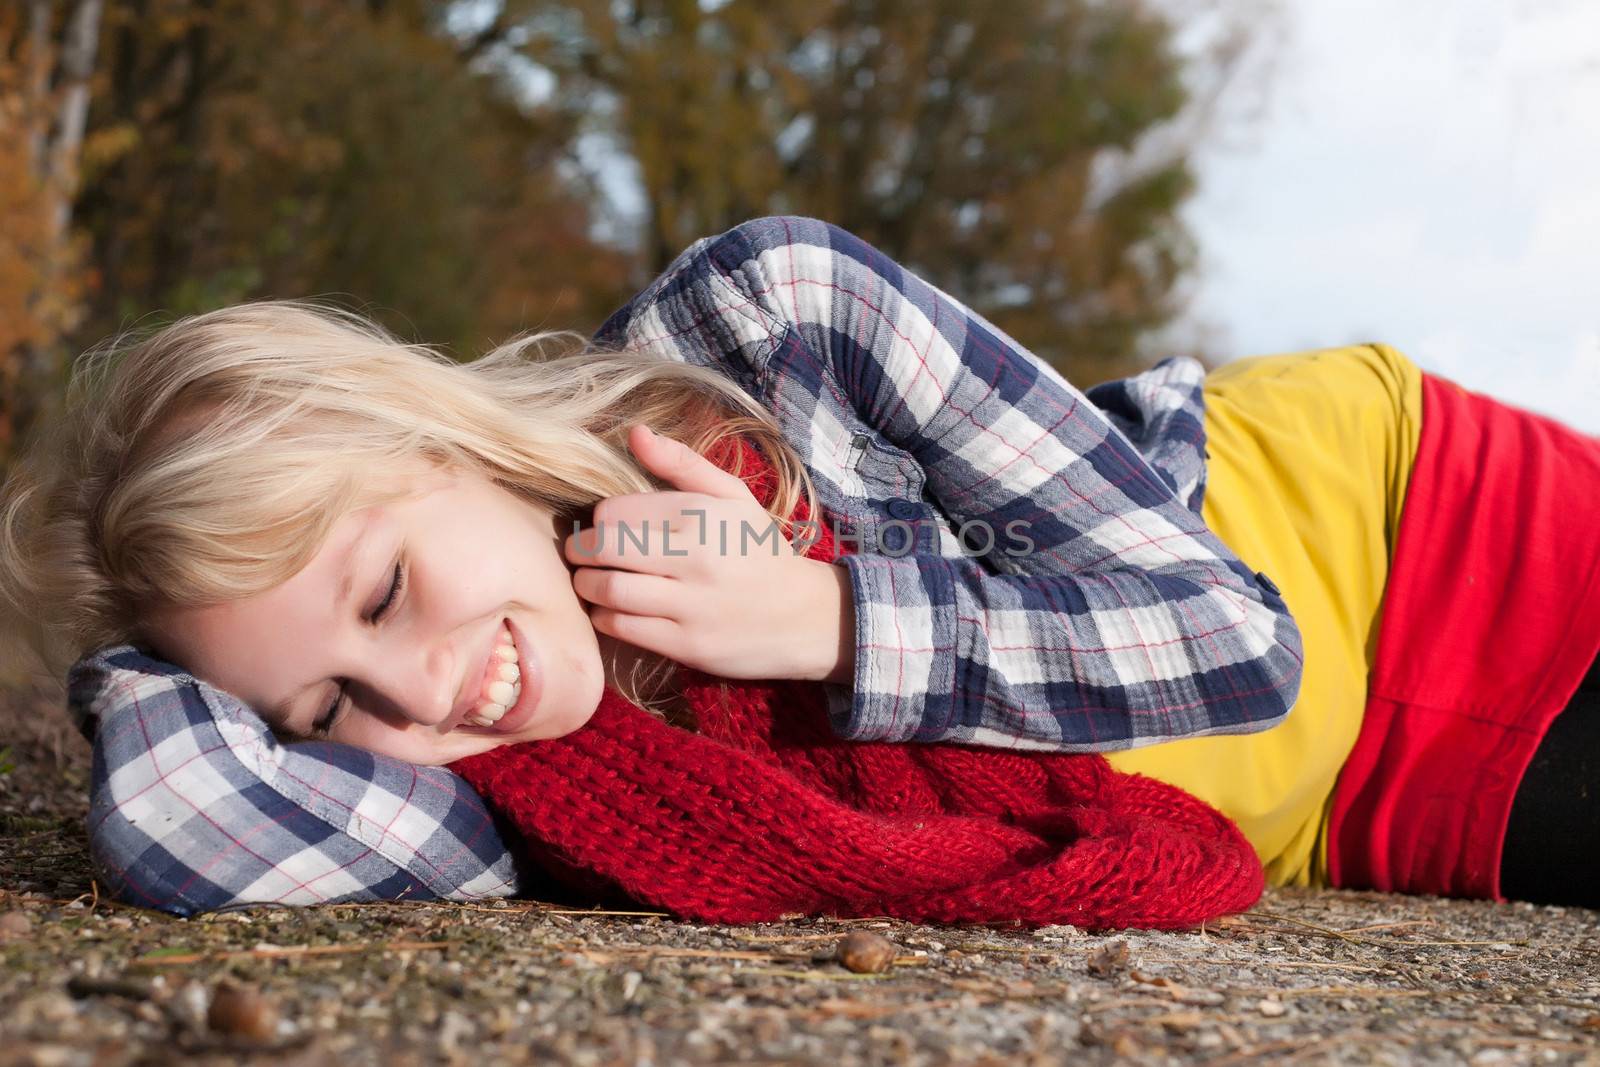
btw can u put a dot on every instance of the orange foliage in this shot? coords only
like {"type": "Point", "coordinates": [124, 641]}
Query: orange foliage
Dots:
{"type": "Point", "coordinates": [41, 281]}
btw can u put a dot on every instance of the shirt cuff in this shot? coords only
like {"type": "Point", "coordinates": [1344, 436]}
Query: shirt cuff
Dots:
{"type": "Point", "coordinates": [905, 650]}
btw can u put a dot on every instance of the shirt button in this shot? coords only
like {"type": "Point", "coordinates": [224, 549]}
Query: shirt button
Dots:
{"type": "Point", "coordinates": [905, 509]}
{"type": "Point", "coordinates": [1267, 584]}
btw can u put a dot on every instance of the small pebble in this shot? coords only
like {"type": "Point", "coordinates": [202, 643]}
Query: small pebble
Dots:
{"type": "Point", "coordinates": [866, 953]}
{"type": "Point", "coordinates": [1126, 1047]}
{"type": "Point", "coordinates": [189, 1005]}
{"type": "Point", "coordinates": [1108, 959]}
{"type": "Point", "coordinates": [15, 924]}
{"type": "Point", "coordinates": [242, 1011]}
{"type": "Point", "coordinates": [1272, 1009]}
{"type": "Point", "coordinates": [1057, 933]}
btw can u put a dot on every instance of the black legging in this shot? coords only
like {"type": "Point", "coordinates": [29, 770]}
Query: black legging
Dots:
{"type": "Point", "coordinates": [1552, 846]}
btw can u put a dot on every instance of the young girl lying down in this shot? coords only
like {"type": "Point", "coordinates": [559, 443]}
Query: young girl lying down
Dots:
{"type": "Point", "coordinates": [805, 590]}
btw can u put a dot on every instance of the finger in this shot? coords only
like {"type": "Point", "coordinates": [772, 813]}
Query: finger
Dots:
{"type": "Point", "coordinates": [654, 506]}
{"type": "Point", "coordinates": [658, 543]}
{"type": "Point", "coordinates": [682, 466]}
{"type": "Point", "coordinates": [658, 635]}
{"type": "Point", "coordinates": [627, 591]}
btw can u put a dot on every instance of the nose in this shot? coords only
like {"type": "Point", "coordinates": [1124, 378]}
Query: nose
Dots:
{"type": "Point", "coordinates": [415, 684]}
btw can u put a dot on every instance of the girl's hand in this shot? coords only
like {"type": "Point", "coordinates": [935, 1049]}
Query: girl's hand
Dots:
{"type": "Point", "coordinates": [705, 576]}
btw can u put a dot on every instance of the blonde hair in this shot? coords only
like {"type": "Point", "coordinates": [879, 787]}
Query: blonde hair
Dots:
{"type": "Point", "coordinates": [209, 460]}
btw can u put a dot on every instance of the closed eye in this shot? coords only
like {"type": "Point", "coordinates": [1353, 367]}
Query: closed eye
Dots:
{"type": "Point", "coordinates": [395, 586]}
{"type": "Point", "coordinates": [325, 722]}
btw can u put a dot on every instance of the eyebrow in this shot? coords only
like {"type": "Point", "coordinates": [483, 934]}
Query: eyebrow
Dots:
{"type": "Point", "coordinates": [347, 573]}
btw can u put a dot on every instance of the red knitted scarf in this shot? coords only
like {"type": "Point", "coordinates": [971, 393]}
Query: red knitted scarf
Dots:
{"type": "Point", "coordinates": [763, 813]}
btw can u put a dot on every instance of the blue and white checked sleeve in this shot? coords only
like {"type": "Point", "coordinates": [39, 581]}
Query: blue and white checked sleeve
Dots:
{"type": "Point", "coordinates": [1162, 412]}
{"type": "Point", "coordinates": [195, 806]}
{"type": "Point", "coordinates": [1127, 622]}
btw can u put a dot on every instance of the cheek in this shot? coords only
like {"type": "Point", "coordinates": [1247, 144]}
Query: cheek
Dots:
{"type": "Point", "coordinates": [557, 581]}
{"type": "Point", "coordinates": [505, 569]}
{"type": "Point", "coordinates": [537, 561]}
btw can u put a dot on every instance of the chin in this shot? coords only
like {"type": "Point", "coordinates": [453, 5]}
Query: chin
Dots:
{"type": "Point", "coordinates": [575, 716]}
{"type": "Point", "coordinates": [424, 759]}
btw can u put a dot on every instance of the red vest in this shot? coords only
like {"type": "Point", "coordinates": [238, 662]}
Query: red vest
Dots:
{"type": "Point", "coordinates": [1490, 620]}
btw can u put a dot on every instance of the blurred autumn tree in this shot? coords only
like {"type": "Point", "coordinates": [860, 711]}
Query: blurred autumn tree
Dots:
{"type": "Point", "coordinates": [1029, 156]}
{"type": "Point", "coordinates": [442, 163]}
{"type": "Point", "coordinates": [324, 146]}
{"type": "Point", "coordinates": [45, 62]}
{"type": "Point", "coordinates": [240, 149]}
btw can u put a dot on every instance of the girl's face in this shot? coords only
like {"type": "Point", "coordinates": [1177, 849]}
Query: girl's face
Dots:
{"type": "Point", "coordinates": [410, 662]}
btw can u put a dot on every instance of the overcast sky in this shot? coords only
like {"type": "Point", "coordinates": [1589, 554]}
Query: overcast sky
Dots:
{"type": "Point", "coordinates": [1427, 174]}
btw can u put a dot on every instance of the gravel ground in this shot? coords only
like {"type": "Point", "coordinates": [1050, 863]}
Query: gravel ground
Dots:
{"type": "Point", "coordinates": [1318, 977]}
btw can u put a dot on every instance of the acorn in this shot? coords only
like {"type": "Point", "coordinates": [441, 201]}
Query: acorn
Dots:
{"type": "Point", "coordinates": [866, 953]}
{"type": "Point", "coordinates": [15, 924]}
{"type": "Point", "coordinates": [241, 1011]}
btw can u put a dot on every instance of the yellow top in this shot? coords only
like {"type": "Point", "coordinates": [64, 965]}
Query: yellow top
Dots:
{"type": "Point", "coordinates": [1310, 455]}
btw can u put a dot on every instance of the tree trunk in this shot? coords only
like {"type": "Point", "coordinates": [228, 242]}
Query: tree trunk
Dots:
{"type": "Point", "coordinates": [57, 108]}
{"type": "Point", "coordinates": [38, 79]}
{"type": "Point", "coordinates": [77, 63]}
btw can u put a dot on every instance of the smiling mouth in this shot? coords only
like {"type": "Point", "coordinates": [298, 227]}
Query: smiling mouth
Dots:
{"type": "Point", "coordinates": [501, 686]}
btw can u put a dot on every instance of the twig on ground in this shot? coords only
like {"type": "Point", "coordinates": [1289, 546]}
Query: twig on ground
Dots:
{"type": "Point", "coordinates": [290, 952]}
{"type": "Point", "coordinates": [612, 954]}
{"type": "Point", "coordinates": [1191, 961]}
{"type": "Point", "coordinates": [1389, 926]}
{"type": "Point", "coordinates": [1387, 942]}
{"type": "Point", "coordinates": [1298, 1047]}
{"type": "Point", "coordinates": [815, 976]}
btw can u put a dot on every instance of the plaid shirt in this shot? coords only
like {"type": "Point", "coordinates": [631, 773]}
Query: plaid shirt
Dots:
{"type": "Point", "coordinates": [1088, 609]}
{"type": "Point", "coordinates": [1107, 617]}
{"type": "Point", "coordinates": [194, 805]}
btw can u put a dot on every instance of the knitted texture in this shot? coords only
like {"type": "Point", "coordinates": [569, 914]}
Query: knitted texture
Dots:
{"type": "Point", "coordinates": [762, 813]}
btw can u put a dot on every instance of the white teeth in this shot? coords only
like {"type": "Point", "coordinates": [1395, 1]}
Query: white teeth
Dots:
{"type": "Point", "coordinates": [504, 688]}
